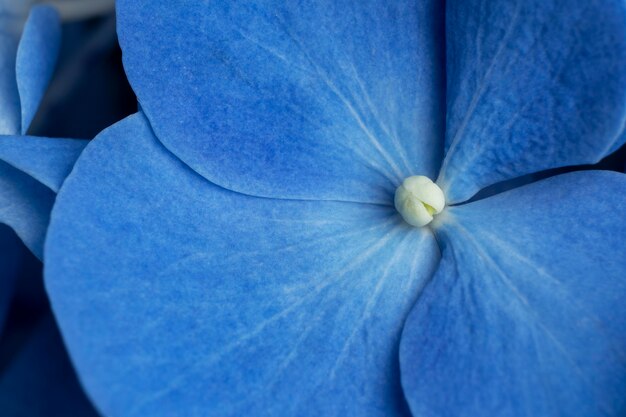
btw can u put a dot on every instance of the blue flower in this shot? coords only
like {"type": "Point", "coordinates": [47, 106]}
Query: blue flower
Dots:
{"type": "Point", "coordinates": [36, 376]}
{"type": "Point", "coordinates": [27, 54]}
{"type": "Point", "coordinates": [24, 75]}
{"type": "Point", "coordinates": [31, 169]}
{"type": "Point", "coordinates": [234, 248]}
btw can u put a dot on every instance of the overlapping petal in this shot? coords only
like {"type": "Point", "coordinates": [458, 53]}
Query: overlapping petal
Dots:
{"type": "Point", "coordinates": [36, 59]}
{"type": "Point", "coordinates": [531, 85]}
{"type": "Point", "coordinates": [25, 206]}
{"type": "Point", "coordinates": [525, 315]}
{"type": "Point", "coordinates": [48, 160]}
{"type": "Point", "coordinates": [32, 170]}
{"type": "Point", "coordinates": [335, 100]}
{"type": "Point", "coordinates": [28, 66]}
{"type": "Point", "coordinates": [24, 74]}
{"type": "Point", "coordinates": [187, 296]}
{"type": "Point", "coordinates": [12, 17]}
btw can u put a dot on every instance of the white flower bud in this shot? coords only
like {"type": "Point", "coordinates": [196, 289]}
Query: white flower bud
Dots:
{"type": "Point", "coordinates": [418, 199]}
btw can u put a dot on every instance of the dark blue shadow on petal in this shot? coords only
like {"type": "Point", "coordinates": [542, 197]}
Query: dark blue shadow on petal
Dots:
{"type": "Point", "coordinates": [26, 303]}
{"type": "Point", "coordinates": [10, 259]}
{"type": "Point", "coordinates": [40, 380]}
{"type": "Point", "coordinates": [89, 90]}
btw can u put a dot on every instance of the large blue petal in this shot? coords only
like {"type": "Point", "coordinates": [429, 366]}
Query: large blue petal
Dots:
{"type": "Point", "coordinates": [190, 297]}
{"type": "Point", "coordinates": [48, 160]}
{"type": "Point", "coordinates": [25, 206]}
{"type": "Point", "coordinates": [36, 58]}
{"type": "Point", "coordinates": [337, 100]}
{"type": "Point", "coordinates": [532, 85]}
{"type": "Point", "coordinates": [40, 380]}
{"type": "Point", "coordinates": [527, 314]}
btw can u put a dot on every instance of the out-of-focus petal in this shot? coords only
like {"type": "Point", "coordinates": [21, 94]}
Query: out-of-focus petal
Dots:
{"type": "Point", "coordinates": [187, 296]}
{"type": "Point", "coordinates": [532, 85]}
{"type": "Point", "coordinates": [526, 314]}
{"type": "Point", "coordinates": [36, 58]}
{"type": "Point", "coordinates": [40, 380]}
{"type": "Point", "coordinates": [25, 206]}
{"type": "Point", "coordinates": [12, 16]}
{"type": "Point", "coordinates": [48, 160]}
{"type": "Point", "coordinates": [10, 257]}
{"type": "Point", "coordinates": [339, 100]}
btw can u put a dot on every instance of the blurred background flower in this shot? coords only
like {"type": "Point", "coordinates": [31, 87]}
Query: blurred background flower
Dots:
{"type": "Point", "coordinates": [88, 91]}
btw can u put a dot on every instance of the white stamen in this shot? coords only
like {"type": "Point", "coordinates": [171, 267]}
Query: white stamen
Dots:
{"type": "Point", "coordinates": [418, 199]}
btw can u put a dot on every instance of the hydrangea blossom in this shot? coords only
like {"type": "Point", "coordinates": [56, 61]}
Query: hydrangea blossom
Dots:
{"type": "Point", "coordinates": [234, 248]}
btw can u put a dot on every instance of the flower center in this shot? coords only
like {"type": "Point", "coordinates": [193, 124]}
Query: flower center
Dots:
{"type": "Point", "coordinates": [418, 199]}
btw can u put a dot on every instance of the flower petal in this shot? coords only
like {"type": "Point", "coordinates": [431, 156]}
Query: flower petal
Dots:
{"type": "Point", "coordinates": [40, 381]}
{"type": "Point", "coordinates": [532, 85]}
{"type": "Point", "coordinates": [48, 160]}
{"type": "Point", "coordinates": [12, 17]}
{"type": "Point", "coordinates": [25, 206]}
{"type": "Point", "coordinates": [336, 101]}
{"type": "Point", "coordinates": [526, 314]}
{"type": "Point", "coordinates": [36, 58]}
{"type": "Point", "coordinates": [189, 296]}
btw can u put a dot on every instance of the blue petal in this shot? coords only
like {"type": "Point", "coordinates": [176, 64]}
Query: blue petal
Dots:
{"type": "Point", "coordinates": [190, 297]}
{"type": "Point", "coordinates": [25, 205]}
{"type": "Point", "coordinates": [336, 101]}
{"type": "Point", "coordinates": [40, 381]}
{"type": "Point", "coordinates": [12, 17]}
{"type": "Point", "coordinates": [47, 160]}
{"type": "Point", "coordinates": [36, 57]}
{"type": "Point", "coordinates": [527, 314]}
{"type": "Point", "coordinates": [532, 85]}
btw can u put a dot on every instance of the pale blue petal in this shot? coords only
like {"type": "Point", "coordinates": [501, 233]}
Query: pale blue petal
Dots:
{"type": "Point", "coordinates": [526, 315]}
{"type": "Point", "coordinates": [48, 160]}
{"type": "Point", "coordinates": [40, 381]}
{"type": "Point", "coordinates": [531, 85]}
{"type": "Point", "coordinates": [36, 58]}
{"type": "Point", "coordinates": [337, 100]}
{"type": "Point", "coordinates": [190, 297]}
{"type": "Point", "coordinates": [25, 206]}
